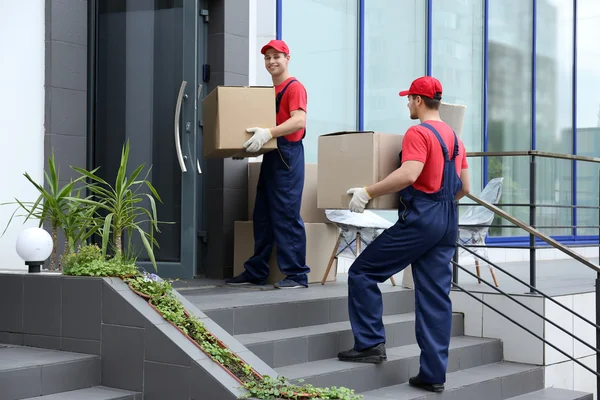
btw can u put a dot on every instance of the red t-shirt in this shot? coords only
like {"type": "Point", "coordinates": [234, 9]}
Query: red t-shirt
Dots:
{"type": "Point", "coordinates": [295, 98]}
{"type": "Point", "coordinates": [421, 144]}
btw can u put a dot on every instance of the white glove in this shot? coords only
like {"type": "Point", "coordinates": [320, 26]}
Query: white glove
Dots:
{"type": "Point", "coordinates": [359, 200]}
{"type": "Point", "coordinates": [258, 140]}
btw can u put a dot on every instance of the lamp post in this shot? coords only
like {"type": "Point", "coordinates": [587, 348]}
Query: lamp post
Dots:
{"type": "Point", "coordinates": [34, 246]}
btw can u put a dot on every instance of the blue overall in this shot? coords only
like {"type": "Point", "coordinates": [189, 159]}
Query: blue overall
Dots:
{"type": "Point", "coordinates": [424, 236]}
{"type": "Point", "coordinates": [276, 214]}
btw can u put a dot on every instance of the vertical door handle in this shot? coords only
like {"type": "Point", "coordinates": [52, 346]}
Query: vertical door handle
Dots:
{"type": "Point", "coordinates": [177, 127]}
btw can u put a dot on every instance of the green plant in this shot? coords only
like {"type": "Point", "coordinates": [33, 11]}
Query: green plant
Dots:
{"type": "Point", "coordinates": [51, 206]}
{"type": "Point", "coordinates": [259, 387]}
{"type": "Point", "coordinates": [149, 284]}
{"type": "Point", "coordinates": [89, 261]}
{"type": "Point", "coordinates": [78, 224]}
{"type": "Point", "coordinates": [276, 388]}
{"type": "Point", "coordinates": [120, 203]}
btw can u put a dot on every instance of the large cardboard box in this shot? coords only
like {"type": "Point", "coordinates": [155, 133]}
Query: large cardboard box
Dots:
{"type": "Point", "coordinates": [356, 159]}
{"type": "Point", "coordinates": [453, 115]}
{"type": "Point", "coordinates": [308, 211]}
{"type": "Point", "coordinates": [226, 114]}
{"type": "Point", "coordinates": [320, 241]}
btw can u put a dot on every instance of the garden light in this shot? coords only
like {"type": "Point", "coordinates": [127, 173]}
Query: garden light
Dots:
{"type": "Point", "coordinates": [34, 246]}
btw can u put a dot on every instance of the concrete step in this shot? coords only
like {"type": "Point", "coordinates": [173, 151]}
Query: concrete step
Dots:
{"type": "Point", "coordinates": [93, 393]}
{"type": "Point", "coordinates": [555, 394]}
{"type": "Point", "coordinates": [402, 362]}
{"type": "Point", "coordinates": [286, 309]}
{"type": "Point", "coordinates": [496, 381]}
{"type": "Point", "coordinates": [312, 343]}
{"type": "Point", "coordinates": [29, 372]}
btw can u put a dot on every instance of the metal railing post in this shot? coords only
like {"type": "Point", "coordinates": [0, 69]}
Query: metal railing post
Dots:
{"type": "Point", "coordinates": [532, 199]}
{"type": "Point", "coordinates": [455, 266]}
{"type": "Point", "coordinates": [455, 257]}
{"type": "Point", "coordinates": [598, 301]}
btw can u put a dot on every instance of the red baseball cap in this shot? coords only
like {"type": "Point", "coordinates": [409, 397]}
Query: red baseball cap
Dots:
{"type": "Point", "coordinates": [426, 86]}
{"type": "Point", "coordinates": [278, 45]}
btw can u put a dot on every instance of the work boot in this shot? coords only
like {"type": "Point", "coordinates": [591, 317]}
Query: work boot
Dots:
{"type": "Point", "coordinates": [289, 284]}
{"type": "Point", "coordinates": [431, 387]}
{"type": "Point", "coordinates": [374, 355]}
{"type": "Point", "coordinates": [241, 280]}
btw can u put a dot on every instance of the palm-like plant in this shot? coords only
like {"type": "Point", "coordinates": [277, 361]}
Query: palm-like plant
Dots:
{"type": "Point", "coordinates": [78, 224]}
{"type": "Point", "coordinates": [52, 205]}
{"type": "Point", "coordinates": [119, 202]}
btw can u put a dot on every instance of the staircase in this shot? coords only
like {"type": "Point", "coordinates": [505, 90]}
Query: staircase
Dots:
{"type": "Point", "coordinates": [32, 373]}
{"type": "Point", "coordinates": [300, 332]}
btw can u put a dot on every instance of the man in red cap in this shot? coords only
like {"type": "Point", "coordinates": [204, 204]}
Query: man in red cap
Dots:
{"type": "Point", "coordinates": [432, 176]}
{"type": "Point", "coordinates": [276, 215]}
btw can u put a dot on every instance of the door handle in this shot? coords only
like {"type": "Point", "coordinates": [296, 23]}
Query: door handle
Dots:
{"type": "Point", "coordinates": [177, 127]}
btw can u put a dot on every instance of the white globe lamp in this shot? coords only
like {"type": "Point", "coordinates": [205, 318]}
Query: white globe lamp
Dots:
{"type": "Point", "coordinates": [34, 246]}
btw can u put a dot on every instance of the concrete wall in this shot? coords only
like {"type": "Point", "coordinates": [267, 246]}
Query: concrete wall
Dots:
{"type": "Point", "coordinates": [21, 114]}
{"type": "Point", "coordinates": [66, 83]}
{"type": "Point", "coordinates": [140, 350]}
{"type": "Point", "coordinates": [66, 88]}
{"type": "Point", "coordinates": [226, 180]}
{"type": "Point", "coordinates": [262, 29]}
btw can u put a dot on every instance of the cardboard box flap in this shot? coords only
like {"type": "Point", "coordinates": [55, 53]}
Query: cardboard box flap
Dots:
{"type": "Point", "coordinates": [346, 133]}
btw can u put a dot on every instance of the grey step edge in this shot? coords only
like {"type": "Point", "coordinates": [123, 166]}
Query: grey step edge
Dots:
{"type": "Point", "coordinates": [93, 393]}
{"type": "Point", "coordinates": [498, 381]}
{"type": "Point", "coordinates": [320, 342]}
{"type": "Point", "coordinates": [30, 372]}
{"type": "Point", "coordinates": [403, 362]}
{"type": "Point", "coordinates": [555, 394]}
{"type": "Point", "coordinates": [248, 319]}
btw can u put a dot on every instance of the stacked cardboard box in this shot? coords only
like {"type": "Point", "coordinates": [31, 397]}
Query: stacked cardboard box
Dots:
{"type": "Point", "coordinates": [356, 159]}
{"type": "Point", "coordinates": [321, 236]}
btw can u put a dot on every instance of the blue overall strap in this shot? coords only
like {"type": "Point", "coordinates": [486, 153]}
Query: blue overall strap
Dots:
{"type": "Point", "coordinates": [280, 96]}
{"type": "Point", "coordinates": [439, 137]}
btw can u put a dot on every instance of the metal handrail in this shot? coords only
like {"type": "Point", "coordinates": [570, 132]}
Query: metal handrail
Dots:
{"type": "Point", "coordinates": [534, 236]}
{"type": "Point", "coordinates": [523, 327]}
{"type": "Point", "coordinates": [545, 154]}
{"type": "Point", "coordinates": [544, 295]}
{"type": "Point", "coordinates": [535, 232]}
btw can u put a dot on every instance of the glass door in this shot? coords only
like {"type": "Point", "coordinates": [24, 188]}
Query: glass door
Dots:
{"type": "Point", "coordinates": [146, 92]}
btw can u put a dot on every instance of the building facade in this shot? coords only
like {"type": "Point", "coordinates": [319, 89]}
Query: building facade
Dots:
{"type": "Point", "coordinates": [85, 76]}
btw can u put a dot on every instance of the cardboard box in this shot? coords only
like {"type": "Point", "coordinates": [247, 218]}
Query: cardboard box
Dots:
{"type": "Point", "coordinates": [356, 159]}
{"type": "Point", "coordinates": [226, 114]}
{"type": "Point", "coordinates": [308, 211]}
{"type": "Point", "coordinates": [320, 241]}
{"type": "Point", "coordinates": [453, 115]}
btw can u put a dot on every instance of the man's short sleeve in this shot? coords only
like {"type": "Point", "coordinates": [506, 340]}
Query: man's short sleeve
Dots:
{"type": "Point", "coordinates": [463, 152]}
{"type": "Point", "coordinates": [414, 146]}
{"type": "Point", "coordinates": [296, 96]}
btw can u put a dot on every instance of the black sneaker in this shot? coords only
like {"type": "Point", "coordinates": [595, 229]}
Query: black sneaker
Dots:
{"type": "Point", "coordinates": [374, 355]}
{"type": "Point", "coordinates": [241, 280]}
{"type": "Point", "coordinates": [289, 284]}
{"type": "Point", "coordinates": [431, 387]}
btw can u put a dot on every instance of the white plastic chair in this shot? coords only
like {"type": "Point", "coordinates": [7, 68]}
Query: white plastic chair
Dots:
{"type": "Point", "coordinates": [355, 230]}
{"type": "Point", "coordinates": [480, 216]}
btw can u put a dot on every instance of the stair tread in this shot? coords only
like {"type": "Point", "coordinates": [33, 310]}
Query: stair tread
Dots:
{"type": "Point", "coordinates": [454, 381]}
{"type": "Point", "coordinates": [330, 365]}
{"type": "Point", "coordinates": [253, 338]}
{"type": "Point", "coordinates": [18, 357]}
{"type": "Point", "coordinates": [554, 394]}
{"type": "Point", "coordinates": [93, 393]}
